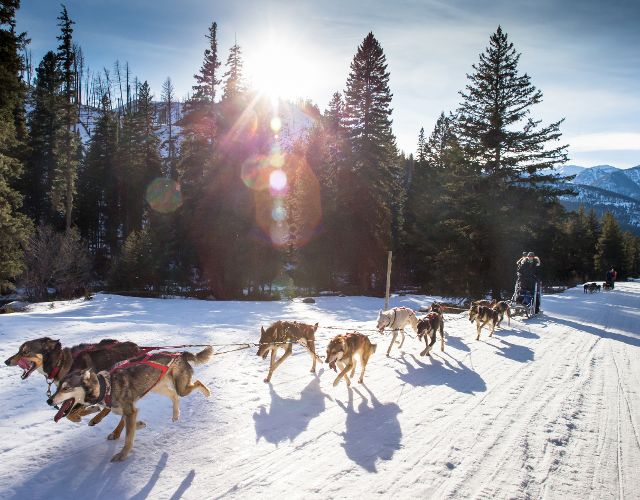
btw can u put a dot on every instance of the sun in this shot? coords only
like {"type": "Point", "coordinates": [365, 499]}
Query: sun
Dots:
{"type": "Point", "coordinates": [277, 70]}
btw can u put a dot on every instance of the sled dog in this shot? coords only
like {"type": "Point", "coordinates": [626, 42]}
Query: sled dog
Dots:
{"type": "Point", "coordinates": [282, 334]}
{"type": "Point", "coordinates": [342, 351]}
{"type": "Point", "coordinates": [127, 382]}
{"type": "Point", "coordinates": [503, 308]}
{"type": "Point", "coordinates": [396, 320]}
{"type": "Point", "coordinates": [52, 360]}
{"type": "Point", "coordinates": [484, 302]}
{"type": "Point", "coordinates": [428, 328]}
{"type": "Point", "coordinates": [484, 317]}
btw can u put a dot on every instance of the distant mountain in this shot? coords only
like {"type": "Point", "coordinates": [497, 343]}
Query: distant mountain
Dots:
{"type": "Point", "coordinates": [606, 189]}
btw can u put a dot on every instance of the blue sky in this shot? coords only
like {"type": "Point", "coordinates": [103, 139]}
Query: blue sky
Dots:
{"type": "Point", "coordinates": [583, 55]}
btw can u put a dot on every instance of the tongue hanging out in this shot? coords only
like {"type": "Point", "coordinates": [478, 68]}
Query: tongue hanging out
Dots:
{"type": "Point", "coordinates": [332, 365]}
{"type": "Point", "coordinates": [27, 366]}
{"type": "Point", "coordinates": [65, 408]}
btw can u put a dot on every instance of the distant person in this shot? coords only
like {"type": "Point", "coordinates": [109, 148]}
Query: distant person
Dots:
{"type": "Point", "coordinates": [528, 275]}
{"type": "Point", "coordinates": [611, 277]}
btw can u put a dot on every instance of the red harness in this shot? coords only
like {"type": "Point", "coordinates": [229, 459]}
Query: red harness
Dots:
{"type": "Point", "coordinates": [76, 354]}
{"type": "Point", "coordinates": [143, 361]}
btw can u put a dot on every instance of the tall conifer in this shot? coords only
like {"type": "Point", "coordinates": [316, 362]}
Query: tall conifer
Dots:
{"type": "Point", "coordinates": [14, 227]}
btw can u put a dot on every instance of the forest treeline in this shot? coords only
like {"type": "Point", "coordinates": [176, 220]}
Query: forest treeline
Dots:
{"type": "Point", "coordinates": [202, 197]}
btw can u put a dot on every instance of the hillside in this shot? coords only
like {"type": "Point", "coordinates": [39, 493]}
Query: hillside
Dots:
{"type": "Point", "coordinates": [606, 189]}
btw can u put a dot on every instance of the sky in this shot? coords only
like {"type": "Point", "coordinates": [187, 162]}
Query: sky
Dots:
{"type": "Point", "coordinates": [582, 54]}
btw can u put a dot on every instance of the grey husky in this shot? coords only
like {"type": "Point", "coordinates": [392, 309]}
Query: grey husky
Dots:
{"type": "Point", "coordinates": [121, 387]}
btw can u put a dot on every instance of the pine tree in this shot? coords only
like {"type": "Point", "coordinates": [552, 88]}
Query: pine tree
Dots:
{"type": "Point", "coordinates": [233, 83]}
{"type": "Point", "coordinates": [509, 149]}
{"type": "Point", "coordinates": [374, 172]}
{"type": "Point", "coordinates": [14, 227]}
{"type": "Point", "coordinates": [44, 124]}
{"type": "Point", "coordinates": [100, 201]}
{"type": "Point", "coordinates": [495, 124]}
{"type": "Point", "coordinates": [68, 145]}
{"type": "Point", "coordinates": [610, 247]}
{"type": "Point", "coordinates": [168, 98]}
{"type": "Point", "coordinates": [207, 80]}
{"type": "Point", "coordinates": [144, 150]}
{"type": "Point", "coordinates": [421, 153]}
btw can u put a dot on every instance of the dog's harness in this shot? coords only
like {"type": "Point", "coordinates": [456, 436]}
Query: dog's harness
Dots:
{"type": "Point", "coordinates": [432, 319]}
{"type": "Point", "coordinates": [395, 313]}
{"type": "Point", "coordinates": [104, 377]}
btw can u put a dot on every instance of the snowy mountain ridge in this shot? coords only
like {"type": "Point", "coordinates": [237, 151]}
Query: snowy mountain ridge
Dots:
{"type": "Point", "coordinates": [605, 188]}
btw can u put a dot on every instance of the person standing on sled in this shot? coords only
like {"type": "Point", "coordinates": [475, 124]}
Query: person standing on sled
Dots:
{"type": "Point", "coordinates": [611, 277]}
{"type": "Point", "coordinates": [528, 276]}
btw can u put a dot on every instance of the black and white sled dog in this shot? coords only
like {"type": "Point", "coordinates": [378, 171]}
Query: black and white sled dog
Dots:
{"type": "Point", "coordinates": [429, 326]}
{"type": "Point", "coordinates": [396, 320]}
{"type": "Point", "coordinates": [484, 317]}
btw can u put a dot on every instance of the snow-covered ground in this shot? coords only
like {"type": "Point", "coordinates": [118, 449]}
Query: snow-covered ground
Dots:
{"type": "Point", "coordinates": [546, 408]}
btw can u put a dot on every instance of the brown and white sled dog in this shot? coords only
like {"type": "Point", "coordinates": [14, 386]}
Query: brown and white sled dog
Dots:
{"type": "Point", "coordinates": [282, 334]}
{"type": "Point", "coordinates": [484, 302]}
{"type": "Point", "coordinates": [342, 351]}
{"type": "Point", "coordinates": [484, 317]}
{"type": "Point", "coordinates": [503, 308]}
{"type": "Point", "coordinates": [395, 320]}
{"type": "Point", "coordinates": [48, 357]}
{"type": "Point", "coordinates": [121, 387]}
{"type": "Point", "coordinates": [428, 328]}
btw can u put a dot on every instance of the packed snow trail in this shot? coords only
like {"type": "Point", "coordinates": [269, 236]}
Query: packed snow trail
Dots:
{"type": "Point", "coordinates": [546, 408]}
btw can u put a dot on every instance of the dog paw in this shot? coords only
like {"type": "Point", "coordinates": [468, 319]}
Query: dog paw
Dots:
{"type": "Point", "coordinates": [175, 418]}
{"type": "Point", "coordinates": [140, 424]}
{"type": "Point", "coordinates": [113, 436]}
{"type": "Point", "coordinates": [335, 384]}
{"type": "Point", "coordinates": [266, 380]}
{"type": "Point", "coordinates": [119, 457]}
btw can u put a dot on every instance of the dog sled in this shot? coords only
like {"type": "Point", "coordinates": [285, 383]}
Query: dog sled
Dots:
{"type": "Point", "coordinates": [525, 302]}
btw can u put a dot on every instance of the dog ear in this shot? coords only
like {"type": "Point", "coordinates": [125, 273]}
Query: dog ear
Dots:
{"type": "Point", "coordinates": [262, 329]}
{"type": "Point", "coordinates": [315, 327]}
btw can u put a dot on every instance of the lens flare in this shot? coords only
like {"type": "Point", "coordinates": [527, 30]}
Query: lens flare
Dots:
{"type": "Point", "coordinates": [277, 181]}
{"type": "Point", "coordinates": [279, 212]}
{"type": "Point", "coordinates": [276, 124]}
{"type": "Point", "coordinates": [255, 172]}
{"type": "Point", "coordinates": [164, 195]}
{"type": "Point", "coordinates": [279, 234]}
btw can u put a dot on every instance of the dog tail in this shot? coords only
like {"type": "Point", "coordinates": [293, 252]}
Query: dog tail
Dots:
{"type": "Point", "coordinates": [197, 359]}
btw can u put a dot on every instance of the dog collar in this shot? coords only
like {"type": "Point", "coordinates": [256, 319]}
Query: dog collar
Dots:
{"type": "Point", "coordinates": [56, 370]}
{"type": "Point", "coordinates": [105, 391]}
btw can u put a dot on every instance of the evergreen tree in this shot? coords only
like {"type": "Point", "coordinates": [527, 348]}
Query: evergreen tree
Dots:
{"type": "Point", "coordinates": [421, 152]}
{"type": "Point", "coordinates": [140, 160]}
{"type": "Point", "coordinates": [610, 247]}
{"type": "Point", "coordinates": [100, 201]}
{"type": "Point", "coordinates": [233, 84]}
{"type": "Point", "coordinates": [68, 145]}
{"type": "Point", "coordinates": [14, 227]}
{"type": "Point", "coordinates": [373, 177]}
{"type": "Point", "coordinates": [207, 80]}
{"type": "Point", "coordinates": [510, 150]}
{"type": "Point", "coordinates": [44, 124]}
{"type": "Point", "coordinates": [168, 98]}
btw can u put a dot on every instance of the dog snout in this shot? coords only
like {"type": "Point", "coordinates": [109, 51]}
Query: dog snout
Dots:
{"type": "Point", "coordinates": [8, 362]}
{"type": "Point", "coordinates": [50, 401]}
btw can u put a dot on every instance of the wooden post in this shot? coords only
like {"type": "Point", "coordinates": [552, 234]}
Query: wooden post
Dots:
{"type": "Point", "coordinates": [386, 297]}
